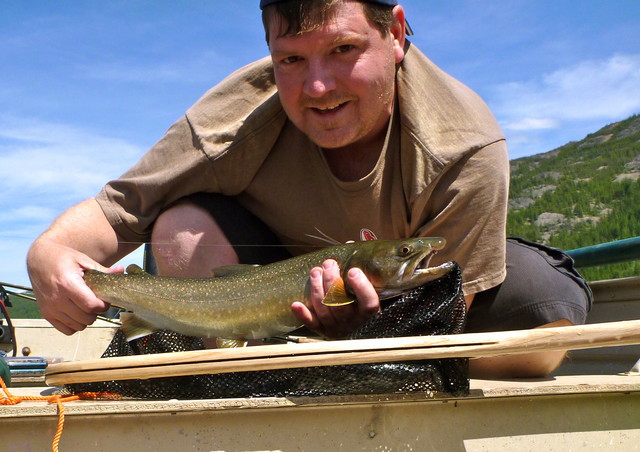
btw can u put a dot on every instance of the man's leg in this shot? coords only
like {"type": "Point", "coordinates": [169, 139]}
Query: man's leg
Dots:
{"type": "Point", "coordinates": [526, 365]}
{"type": "Point", "coordinates": [205, 231]}
{"type": "Point", "coordinates": [542, 289]}
{"type": "Point", "coordinates": [188, 242]}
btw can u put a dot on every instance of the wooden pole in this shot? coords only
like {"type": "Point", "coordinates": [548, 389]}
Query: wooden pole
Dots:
{"type": "Point", "coordinates": [332, 353]}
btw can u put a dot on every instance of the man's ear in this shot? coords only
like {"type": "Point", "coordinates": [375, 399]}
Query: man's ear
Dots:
{"type": "Point", "coordinates": [398, 32]}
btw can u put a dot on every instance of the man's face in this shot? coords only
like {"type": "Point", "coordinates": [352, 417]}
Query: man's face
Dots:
{"type": "Point", "coordinates": [337, 83]}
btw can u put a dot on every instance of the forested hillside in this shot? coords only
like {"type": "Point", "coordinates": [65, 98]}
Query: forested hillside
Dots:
{"type": "Point", "coordinates": [581, 194]}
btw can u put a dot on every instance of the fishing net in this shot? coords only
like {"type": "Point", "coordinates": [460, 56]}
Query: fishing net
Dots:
{"type": "Point", "coordinates": [433, 309]}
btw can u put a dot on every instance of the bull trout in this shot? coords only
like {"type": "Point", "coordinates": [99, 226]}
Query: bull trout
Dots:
{"type": "Point", "coordinates": [254, 302]}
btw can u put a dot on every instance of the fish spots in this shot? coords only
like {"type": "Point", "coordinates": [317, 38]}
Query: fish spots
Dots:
{"type": "Point", "coordinates": [256, 303]}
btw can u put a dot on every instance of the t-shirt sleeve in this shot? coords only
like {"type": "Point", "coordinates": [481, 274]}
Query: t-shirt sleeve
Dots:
{"type": "Point", "coordinates": [174, 167]}
{"type": "Point", "coordinates": [216, 147]}
{"type": "Point", "coordinates": [467, 205]}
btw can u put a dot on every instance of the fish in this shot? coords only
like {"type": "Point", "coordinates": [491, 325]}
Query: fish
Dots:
{"type": "Point", "coordinates": [243, 302]}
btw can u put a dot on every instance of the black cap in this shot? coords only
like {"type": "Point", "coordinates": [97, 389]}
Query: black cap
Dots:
{"type": "Point", "coordinates": [265, 3]}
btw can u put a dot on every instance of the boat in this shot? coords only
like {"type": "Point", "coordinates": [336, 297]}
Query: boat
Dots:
{"type": "Point", "coordinates": [592, 402]}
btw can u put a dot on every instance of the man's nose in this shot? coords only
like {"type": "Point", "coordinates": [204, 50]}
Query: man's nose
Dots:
{"type": "Point", "coordinates": [319, 80]}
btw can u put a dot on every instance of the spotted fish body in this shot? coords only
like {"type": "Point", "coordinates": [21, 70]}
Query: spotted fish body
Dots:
{"type": "Point", "coordinates": [254, 302]}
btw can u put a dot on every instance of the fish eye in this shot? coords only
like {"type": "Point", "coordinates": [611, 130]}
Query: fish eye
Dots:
{"type": "Point", "coordinates": [406, 249]}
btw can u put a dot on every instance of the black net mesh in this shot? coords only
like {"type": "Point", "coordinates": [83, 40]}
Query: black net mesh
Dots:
{"type": "Point", "coordinates": [434, 308]}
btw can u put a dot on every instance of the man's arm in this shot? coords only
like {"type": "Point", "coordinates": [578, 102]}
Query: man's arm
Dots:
{"type": "Point", "coordinates": [80, 239]}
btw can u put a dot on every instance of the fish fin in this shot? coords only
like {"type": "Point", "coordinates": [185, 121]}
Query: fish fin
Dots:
{"type": "Point", "coordinates": [134, 269]}
{"type": "Point", "coordinates": [229, 270]}
{"type": "Point", "coordinates": [134, 327]}
{"type": "Point", "coordinates": [230, 343]}
{"type": "Point", "coordinates": [337, 294]}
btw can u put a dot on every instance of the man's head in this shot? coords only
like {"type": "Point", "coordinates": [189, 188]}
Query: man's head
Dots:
{"type": "Point", "coordinates": [334, 63]}
{"type": "Point", "coordinates": [300, 16]}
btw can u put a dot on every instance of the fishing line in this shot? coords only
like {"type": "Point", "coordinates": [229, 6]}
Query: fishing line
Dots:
{"type": "Point", "coordinates": [226, 244]}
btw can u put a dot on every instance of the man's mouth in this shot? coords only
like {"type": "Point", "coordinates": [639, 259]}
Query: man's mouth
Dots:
{"type": "Point", "coordinates": [328, 109]}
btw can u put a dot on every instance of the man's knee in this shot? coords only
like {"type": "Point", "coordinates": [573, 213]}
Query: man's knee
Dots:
{"type": "Point", "coordinates": [526, 365]}
{"type": "Point", "coordinates": [529, 365]}
{"type": "Point", "coordinates": [187, 241]}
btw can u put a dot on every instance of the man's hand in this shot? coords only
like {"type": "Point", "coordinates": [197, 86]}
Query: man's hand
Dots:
{"type": "Point", "coordinates": [56, 273]}
{"type": "Point", "coordinates": [78, 239]}
{"type": "Point", "coordinates": [337, 321]}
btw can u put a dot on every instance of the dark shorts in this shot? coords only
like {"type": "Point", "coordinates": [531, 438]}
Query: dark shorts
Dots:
{"type": "Point", "coordinates": [541, 286]}
{"type": "Point", "coordinates": [252, 240]}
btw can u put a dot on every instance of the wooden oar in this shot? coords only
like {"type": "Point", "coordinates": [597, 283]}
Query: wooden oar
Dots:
{"type": "Point", "coordinates": [332, 353]}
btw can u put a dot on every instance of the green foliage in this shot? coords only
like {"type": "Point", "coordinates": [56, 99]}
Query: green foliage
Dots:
{"type": "Point", "coordinates": [23, 308]}
{"type": "Point", "coordinates": [594, 183]}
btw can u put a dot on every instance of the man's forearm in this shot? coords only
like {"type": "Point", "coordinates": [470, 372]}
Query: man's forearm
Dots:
{"type": "Point", "coordinates": [85, 228]}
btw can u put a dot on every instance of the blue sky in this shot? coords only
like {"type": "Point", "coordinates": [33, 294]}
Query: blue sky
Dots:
{"type": "Point", "coordinates": [87, 86]}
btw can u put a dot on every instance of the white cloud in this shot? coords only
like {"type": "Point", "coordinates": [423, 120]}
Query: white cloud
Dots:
{"type": "Point", "coordinates": [27, 213]}
{"type": "Point", "coordinates": [548, 111]}
{"type": "Point", "coordinates": [46, 168]}
{"type": "Point", "coordinates": [57, 161]}
{"type": "Point", "coordinates": [607, 88]}
{"type": "Point", "coordinates": [532, 124]}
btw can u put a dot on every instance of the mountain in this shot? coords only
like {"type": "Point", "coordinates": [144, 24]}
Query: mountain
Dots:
{"type": "Point", "coordinates": [583, 193]}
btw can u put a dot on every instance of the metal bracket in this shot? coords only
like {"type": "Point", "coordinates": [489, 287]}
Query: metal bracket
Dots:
{"type": "Point", "coordinates": [7, 336]}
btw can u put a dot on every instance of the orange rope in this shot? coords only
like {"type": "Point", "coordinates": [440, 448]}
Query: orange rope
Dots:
{"type": "Point", "coordinates": [59, 401]}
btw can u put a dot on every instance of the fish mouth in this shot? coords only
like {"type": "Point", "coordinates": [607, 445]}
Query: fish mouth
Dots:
{"type": "Point", "coordinates": [426, 273]}
{"type": "Point", "coordinates": [420, 266]}
{"type": "Point", "coordinates": [423, 264]}
{"type": "Point", "coordinates": [420, 270]}
{"type": "Point", "coordinates": [415, 274]}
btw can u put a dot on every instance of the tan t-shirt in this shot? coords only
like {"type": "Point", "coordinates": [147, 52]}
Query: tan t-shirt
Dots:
{"type": "Point", "coordinates": [443, 171]}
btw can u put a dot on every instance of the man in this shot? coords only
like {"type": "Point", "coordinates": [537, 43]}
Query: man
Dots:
{"type": "Point", "coordinates": [347, 132]}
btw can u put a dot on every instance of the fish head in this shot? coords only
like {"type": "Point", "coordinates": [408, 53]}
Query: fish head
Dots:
{"type": "Point", "coordinates": [395, 266]}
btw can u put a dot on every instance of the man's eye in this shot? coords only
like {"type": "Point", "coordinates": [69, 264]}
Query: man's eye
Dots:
{"type": "Point", "coordinates": [344, 48]}
{"type": "Point", "coordinates": [290, 59]}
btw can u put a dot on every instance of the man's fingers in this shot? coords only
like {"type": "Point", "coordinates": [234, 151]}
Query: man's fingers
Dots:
{"type": "Point", "coordinates": [368, 300]}
{"type": "Point", "coordinates": [78, 321]}
{"type": "Point", "coordinates": [57, 277]}
{"type": "Point", "coordinates": [83, 297]}
{"type": "Point", "coordinates": [305, 316]}
{"type": "Point", "coordinates": [330, 272]}
{"type": "Point", "coordinates": [60, 326]}
{"type": "Point", "coordinates": [114, 269]}
{"type": "Point", "coordinates": [72, 306]}
{"type": "Point", "coordinates": [69, 323]}
{"type": "Point", "coordinates": [317, 283]}
{"type": "Point", "coordinates": [337, 321]}
{"type": "Point", "coordinates": [349, 317]}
